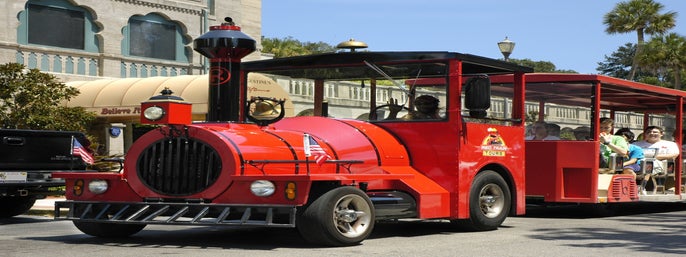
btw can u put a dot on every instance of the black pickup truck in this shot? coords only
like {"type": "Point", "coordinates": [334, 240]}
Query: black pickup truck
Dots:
{"type": "Point", "coordinates": [27, 159]}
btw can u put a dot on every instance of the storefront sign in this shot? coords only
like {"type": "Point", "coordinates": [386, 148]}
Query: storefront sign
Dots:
{"type": "Point", "coordinates": [119, 111]}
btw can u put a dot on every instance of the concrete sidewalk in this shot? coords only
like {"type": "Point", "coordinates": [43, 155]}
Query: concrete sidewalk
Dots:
{"type": "Point", "coordinates": [47, 203]}
{"type": "Point", "coordinates": [45, 207]}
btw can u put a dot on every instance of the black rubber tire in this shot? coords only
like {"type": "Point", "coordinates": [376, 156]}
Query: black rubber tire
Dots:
{"type": "Point", "coordinates": [341, 217]}
{"type": "Point", "coordinates": [108, 229]}
{"type": "Point", "coordinates": [489, 202]}
{"type": "Point", "coordinates": [15, 205]}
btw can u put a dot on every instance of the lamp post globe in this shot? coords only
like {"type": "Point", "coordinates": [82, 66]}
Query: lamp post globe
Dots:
{"type": "Point", "coordinates": [352, 45]}
{"type": "Point", "coordinates": [506, 46]}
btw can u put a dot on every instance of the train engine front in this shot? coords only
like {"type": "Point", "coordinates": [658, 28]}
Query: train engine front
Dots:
{"type": "Point", "coordinates": [293, 173]}
{"type": "Point", "coordinates": [239, 169]}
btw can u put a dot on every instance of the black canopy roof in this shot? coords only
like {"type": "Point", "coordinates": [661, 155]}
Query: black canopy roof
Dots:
{"type": "Point", "coordinates": [293, 66]}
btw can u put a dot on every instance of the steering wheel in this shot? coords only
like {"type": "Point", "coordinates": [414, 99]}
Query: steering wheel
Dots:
{"type": "Point", "coordinates": [375, 111]}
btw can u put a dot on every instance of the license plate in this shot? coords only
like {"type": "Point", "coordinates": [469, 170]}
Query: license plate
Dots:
{"type": "Point", "coordinates": [12, 176]}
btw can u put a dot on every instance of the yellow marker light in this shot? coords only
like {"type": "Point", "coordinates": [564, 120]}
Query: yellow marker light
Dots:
{"type": "Point", "coordinates": [290, 191]}
{"type": "Point", "coordinates": [78, 187]}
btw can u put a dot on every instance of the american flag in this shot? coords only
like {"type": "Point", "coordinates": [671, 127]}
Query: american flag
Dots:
{"type": "Point", "coordinates": [79, 150]}
{"type": "Point", "coordinates": [312, 148]}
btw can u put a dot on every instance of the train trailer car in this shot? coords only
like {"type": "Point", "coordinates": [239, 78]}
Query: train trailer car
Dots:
{"type": "Point", "coordinates": [569, 170]}
{"type": "Point", "coordinates": [330, 177]}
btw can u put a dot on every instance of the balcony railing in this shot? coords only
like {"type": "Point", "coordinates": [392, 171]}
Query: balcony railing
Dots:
{"type": "Point", "coordinates": [67, 61]}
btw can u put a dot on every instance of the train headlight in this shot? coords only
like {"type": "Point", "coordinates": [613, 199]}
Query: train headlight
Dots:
{"type": "Point", "coordinates": [153, 113]}
{"type": "Point", "coordinates": [262, 188]}
{"type": "Point", "coordinates": [97, 186]}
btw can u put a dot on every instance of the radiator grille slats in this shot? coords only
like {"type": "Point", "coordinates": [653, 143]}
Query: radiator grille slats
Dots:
{"type": "Point", "coordinates": [179, 166]}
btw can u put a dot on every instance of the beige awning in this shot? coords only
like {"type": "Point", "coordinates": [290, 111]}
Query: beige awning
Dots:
{"type": "Point", "coordinates": [119, 100]}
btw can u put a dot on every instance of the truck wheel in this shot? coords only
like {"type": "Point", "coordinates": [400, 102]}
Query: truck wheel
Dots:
{"type": "Point", "coordinates": [108, 229]}
{"type": "Point", "coordinates": [15, 205]}
{"type": "Point", "coordinates": [341, 217]}
{"type": "Point", "coordinates": [489, 202]}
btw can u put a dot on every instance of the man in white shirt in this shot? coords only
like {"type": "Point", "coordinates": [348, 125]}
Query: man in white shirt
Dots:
{"type": "Point", "coordinates": [666, 150]}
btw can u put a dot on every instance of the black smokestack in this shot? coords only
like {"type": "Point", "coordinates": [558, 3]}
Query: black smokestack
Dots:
{"type": "Point", "coordinates": [225, 46]}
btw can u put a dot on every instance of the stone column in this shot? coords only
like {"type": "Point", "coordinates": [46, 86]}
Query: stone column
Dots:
{"type": "Point", "coordinates": [115, 139]}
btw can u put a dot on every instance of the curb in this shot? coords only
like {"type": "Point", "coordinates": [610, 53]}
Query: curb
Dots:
{"type": "Point", "coordinates": [43, 212]}
{"type": "Point", "coordinates": [45, 207]}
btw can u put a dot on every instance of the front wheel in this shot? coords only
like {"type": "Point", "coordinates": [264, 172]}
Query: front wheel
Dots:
{"type": "Point", "coordinates": [108, 229]}
{"type": "Point", "coordinates": [489, 202]}
{"type": "Point", "coordinates": [341, 217]}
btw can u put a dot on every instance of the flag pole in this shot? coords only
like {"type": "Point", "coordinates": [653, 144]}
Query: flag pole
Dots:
{"type": "Point", "coordinates": [72, 163]}
{"type": "Point", "coordinates": [308, 152]}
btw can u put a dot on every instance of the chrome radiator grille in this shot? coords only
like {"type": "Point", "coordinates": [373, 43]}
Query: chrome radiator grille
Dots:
{"type": "Point", "coordinates": [179, 166]}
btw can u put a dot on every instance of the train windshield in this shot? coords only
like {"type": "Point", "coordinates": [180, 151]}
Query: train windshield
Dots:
{"type": "Point", "coordinates": [370, 91]}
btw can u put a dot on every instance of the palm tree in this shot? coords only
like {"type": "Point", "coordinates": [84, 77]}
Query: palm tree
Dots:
{"type": "Point", "coordinates": [642, 16]}
{"type": "Point", "coordinates": [666, 54]}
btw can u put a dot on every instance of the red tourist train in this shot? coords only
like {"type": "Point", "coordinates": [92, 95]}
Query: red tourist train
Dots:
{"type": "Point", "coordinates": [241, 167]}
{"type": "Point", "coordinates": [331, 175]}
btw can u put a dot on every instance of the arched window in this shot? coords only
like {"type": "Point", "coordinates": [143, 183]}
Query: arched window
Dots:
{"type": "Point", "coordinates": [153, 36]}
{"type": "Point", "coordinates": [57, 23]}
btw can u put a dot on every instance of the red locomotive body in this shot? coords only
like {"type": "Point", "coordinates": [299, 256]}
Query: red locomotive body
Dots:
{"type": "Point", "coordinates": [331, 178]}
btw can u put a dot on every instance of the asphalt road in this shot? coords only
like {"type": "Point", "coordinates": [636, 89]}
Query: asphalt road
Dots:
{"type": "Point", "coordinates": [633, 230]}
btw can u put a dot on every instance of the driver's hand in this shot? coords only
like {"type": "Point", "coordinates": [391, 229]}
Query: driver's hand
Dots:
{"type": "Point", "coordinates": [393, 106]}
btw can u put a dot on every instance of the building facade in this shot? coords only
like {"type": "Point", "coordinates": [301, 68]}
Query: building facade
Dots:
{"type": "Point", "coordinates": [86, 40]}
{"type": "Point", "coordinates": [91, 39]}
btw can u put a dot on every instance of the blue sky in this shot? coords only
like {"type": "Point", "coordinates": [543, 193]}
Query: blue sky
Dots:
{"type": "Point", "coordinates": [570, 33]}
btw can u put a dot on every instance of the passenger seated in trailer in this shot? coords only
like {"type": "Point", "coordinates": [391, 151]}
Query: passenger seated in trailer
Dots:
{"type": "Point", "coordinates": [426, 108]}
{"type": "Point", "coordinates": [663, 151]}
{"type": "Point", "coordinates": [666, 150]}
{"type": "Point", "coordinates": [582, 133]}
{"type": "Point", "coordinates": [632, 161]}
{"type": "Point", "coordinates": [609, 143]}
{"type": "Point", "coordinates": [540, 132]}
{"type": "Point", "coordinates": [553, 130]}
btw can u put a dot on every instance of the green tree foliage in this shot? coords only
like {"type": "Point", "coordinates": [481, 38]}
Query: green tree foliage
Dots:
{"type": "Point", "coordinates": [31, 99]}
{"type": "Point", "coordinates": [656, 69]}
{"type": "Point", "coordinates": [642, 17]}
{"type": "Point", "coordinates": [665, 56]}
{"type": "Point", "coordinates": [618, 64]}
{"type": "Point", "coordinates": [289, 46]}
{"type": "Point", "coordinates": [540, 66]}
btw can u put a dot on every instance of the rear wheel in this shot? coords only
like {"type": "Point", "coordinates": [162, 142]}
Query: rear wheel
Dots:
{"type": "Point", "coordinates": [15, 205]}
{"type": "Point", "coordinates": [108, 229]}
{"type": "Point", "coordinates": [489, 202]}
{"type": "Point", "coordinates": [341, 217]}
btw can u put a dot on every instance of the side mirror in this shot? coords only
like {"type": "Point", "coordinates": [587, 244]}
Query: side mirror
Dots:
{"type": "Point", "coordinates": [478, 96]}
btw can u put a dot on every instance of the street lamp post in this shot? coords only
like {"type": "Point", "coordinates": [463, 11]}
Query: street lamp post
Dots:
{"type": "Point", "coordinates": [506, 46]}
